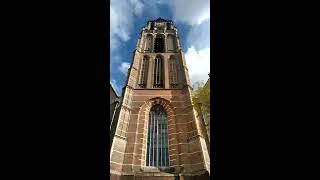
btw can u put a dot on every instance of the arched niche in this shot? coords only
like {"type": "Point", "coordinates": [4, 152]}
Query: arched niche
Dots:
{"type": "Point", "coordinates": [171, 42]}
{"type": "Point", "coordinates": [148, 42]}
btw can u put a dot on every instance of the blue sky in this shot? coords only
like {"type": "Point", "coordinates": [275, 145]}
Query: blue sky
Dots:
{"type": "Point", "coordinates": [191, 17]}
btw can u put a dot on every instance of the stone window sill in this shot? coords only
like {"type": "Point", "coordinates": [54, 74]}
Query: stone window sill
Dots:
{"type": "Point", "coordinates": [158, 169]}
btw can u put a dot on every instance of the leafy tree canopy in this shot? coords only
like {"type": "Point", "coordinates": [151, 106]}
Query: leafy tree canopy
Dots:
{"type": "Point", "coordinates": [201, 96]}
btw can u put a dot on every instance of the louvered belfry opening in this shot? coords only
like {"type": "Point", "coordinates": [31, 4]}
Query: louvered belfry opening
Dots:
{"type": "Point", "coordinates": [157, 146]}
{"type": "Point", "coordinates": [158, 73]}
{"type": "Point", "coordinates": [159, 44]}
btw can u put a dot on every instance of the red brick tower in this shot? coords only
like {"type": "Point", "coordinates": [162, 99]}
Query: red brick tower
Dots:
{"type": "Point", "coordinates": [157, 134]}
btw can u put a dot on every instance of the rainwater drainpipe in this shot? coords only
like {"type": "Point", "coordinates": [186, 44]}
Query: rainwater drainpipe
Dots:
{"type": "Point", "coordinates": [114, 112]}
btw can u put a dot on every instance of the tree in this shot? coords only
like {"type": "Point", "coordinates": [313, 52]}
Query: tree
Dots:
{"type": "Point", "coordinates": [201, 101]}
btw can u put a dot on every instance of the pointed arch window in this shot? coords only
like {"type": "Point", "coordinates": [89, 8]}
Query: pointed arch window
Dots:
{"type": "Point", "coordinates": [148, 43]}
{"type": "Point", "coordinates": [157, 146]}
{"type": "Point", "coordinates": [171, 43]}
{"type": "Point", "coordinates": [158, 73]}
{"type": "Point", "coordinates": [173, 72]}
{"type": "Point", "coordinates": [144, 72]}
{"type": "Point", "coordinates": [159, 44]}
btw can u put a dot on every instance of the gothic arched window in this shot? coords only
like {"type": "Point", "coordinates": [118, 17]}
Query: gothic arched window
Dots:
{"type": "Point", "coordinates": [159, 44]}
{"type": "Point", "coordinates": [144, 72]}
{"type": "Point", "coordinates": [158, 73]}
{"type": "Point", "coordinates": [157, 146]}
{"type": "Point", "coordinates": [148, 42]}
{"type": "Point", "coordinates": [173, 72]}
{"type": "Point", "coordinates": [171, 44]}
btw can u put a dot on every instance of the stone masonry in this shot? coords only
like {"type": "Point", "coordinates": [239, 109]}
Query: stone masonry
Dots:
{"type": "Point", "coordinates": [188, 143]}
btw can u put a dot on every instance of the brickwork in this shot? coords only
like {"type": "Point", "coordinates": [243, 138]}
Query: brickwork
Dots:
{"type": "Point", "coordinates": [187, 147]}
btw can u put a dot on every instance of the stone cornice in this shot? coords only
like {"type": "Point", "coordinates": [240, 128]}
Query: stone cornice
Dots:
{"type": "Point", "coordinates": [121, 137]}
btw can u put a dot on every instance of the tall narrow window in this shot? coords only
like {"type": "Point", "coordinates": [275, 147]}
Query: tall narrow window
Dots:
{"type": "Point", "coordinates": [169, 26]}
{"type": "Point", "coordinates": [144, 72]}
{"type": "Point", "coordinates": [171, 45]}
{"type": "Point", "coordinates": [159, 44]}
{"type": "Point", "coordinates": [148, 42]}
{"type": "Point", "coordinates": [173, 74]}
{"type": "Point", "coordinates": [157, 146]}
{"type": "Point", "coordinates": [158, 73]}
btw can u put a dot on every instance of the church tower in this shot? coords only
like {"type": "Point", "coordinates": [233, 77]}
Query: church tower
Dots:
{"type": "Point", "coordinates": [156, 132]}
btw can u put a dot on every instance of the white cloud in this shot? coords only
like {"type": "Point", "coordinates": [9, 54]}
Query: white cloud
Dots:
{"type": "Point", "coordinates": [198, 63]}
{"type": "Point", "coordinates": [161, 1]}
{"type": "Point", "coordinates": [199, 36]}
{"type": "Point", "coordinates": [120, 22]}
{"type": "Point", "coordinates": [122, 15]}
{"type": "Point", "coordinates": [124, 68]}
{"type": "Point", "coordinates": [137, 7]}
{"type": "Point", "coordinates": [192, 12]}
{"type": "Point", "coordinates": [196, 14]}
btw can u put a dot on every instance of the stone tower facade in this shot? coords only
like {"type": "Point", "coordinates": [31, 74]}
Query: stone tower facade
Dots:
{"type": "Point", "coordinates": [157, 132]}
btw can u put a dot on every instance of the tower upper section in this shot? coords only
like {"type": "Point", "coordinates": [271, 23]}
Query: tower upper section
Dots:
{"type": "Point", "coordinates": [158, 61]}
{"type": "Point", "coordinates": [160, 24]}
{"type": "Point", "coordinates": [159, 36]}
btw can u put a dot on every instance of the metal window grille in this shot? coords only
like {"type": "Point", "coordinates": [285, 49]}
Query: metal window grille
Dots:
{"type": "Point", "coordinates": [158, 73]}
{"type": "Point", "coordinates": [159, 45]}
{"type": "Point", "coordinates": [157, 146]}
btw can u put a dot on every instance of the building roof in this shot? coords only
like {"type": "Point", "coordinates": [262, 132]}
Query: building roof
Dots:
{"type": "Point", "coordinates": [114, 90]}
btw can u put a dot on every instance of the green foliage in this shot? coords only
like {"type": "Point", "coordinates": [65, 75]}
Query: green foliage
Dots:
{"type": "Point", "coordinates": [201, 98]}
{"type": "Point", "coordinates": [201, 95]}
